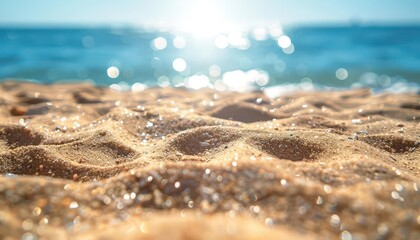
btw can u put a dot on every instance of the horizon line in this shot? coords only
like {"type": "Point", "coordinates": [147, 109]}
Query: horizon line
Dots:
{"type": "Point", "coordinates": [169, 29]}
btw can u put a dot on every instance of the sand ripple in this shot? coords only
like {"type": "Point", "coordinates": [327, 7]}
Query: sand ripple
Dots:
{"type": "Point", "coordinates": [85, 162]}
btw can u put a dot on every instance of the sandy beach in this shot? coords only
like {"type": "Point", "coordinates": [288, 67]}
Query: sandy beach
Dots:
{"type": "Point", "coordinates": [83, 162]}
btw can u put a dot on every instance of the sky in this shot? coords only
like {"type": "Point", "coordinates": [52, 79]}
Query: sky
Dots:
{"type": "Point", "coordinates": [210, 13]}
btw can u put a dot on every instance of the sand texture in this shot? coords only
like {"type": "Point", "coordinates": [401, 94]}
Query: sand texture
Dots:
{"type": "Point", "coordinates": [81, 162]}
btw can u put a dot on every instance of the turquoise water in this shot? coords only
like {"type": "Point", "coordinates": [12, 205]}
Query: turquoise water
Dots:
{"type": "Point", "coordinates": [382, 58]}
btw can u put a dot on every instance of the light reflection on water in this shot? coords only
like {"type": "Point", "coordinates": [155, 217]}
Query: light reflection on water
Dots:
{"type": "Point", "coordinates": [299, 58]}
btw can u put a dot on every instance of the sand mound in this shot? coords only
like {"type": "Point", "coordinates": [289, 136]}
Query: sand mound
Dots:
{"type": "Point", "coordinates": [84, 162]}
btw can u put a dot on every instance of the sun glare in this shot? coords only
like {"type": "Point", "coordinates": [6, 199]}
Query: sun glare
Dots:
{"type": "Point", "coordinates": [203, 19]}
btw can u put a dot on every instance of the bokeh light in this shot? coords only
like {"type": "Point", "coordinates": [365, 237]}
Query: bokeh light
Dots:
{"type": "Point", "coordinates": [262, 79]}
{"type": "Point", "coordinates": [289, 50]}
{"type": "Point", "coordinates": [163, 81]}
{"type": "Point", "coordinates": [306, 84]}
{"type": "Point", "coordinates": [197, 81]}
{"type": "Point", "coordinates": [284, 42]}
{"type": "Point", "coordinates": [115, 87]}
{"type": "Point", "coordinates": [88, 41]}
{"type": "Point", "coordinates": [215, 71]}
{"type": "Point", "coordinates": [179, 65]}
{"type": "Point", "coordinates": [275, 31]}
{"type": "Point", "coordinates": [159, 43]}
{"type": "Point", "coordinates": [138, 87]}
{"type": "Point", "coordinates": [238, 40]}
{"type": "Point", "coordinates": [260, 34]}
{"type": "Point", "coordinates": [113, 72]}
{"type": "Point", "coordinates": [341, 74]}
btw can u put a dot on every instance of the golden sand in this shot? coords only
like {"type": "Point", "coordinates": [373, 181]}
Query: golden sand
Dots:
{"type": "Point", "coordinates": [81, 162]}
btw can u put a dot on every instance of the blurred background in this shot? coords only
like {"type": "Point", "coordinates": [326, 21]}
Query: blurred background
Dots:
{"type": "Point", "coordinates": [239, 45]}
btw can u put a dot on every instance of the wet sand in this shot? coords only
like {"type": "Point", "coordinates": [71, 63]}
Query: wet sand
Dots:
{"type": "Point", "coordinates": [80, 162]}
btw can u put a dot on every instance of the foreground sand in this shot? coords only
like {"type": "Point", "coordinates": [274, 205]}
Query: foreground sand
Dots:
{"type": "Point", "coordinates": [84, 162]}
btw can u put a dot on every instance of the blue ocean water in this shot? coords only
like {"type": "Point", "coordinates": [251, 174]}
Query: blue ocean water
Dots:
{"type": "Point", "coordinates": [382, 58]}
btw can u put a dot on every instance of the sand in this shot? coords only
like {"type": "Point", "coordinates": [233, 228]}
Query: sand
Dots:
{"type": "Point", "coordinates": [81, 162]}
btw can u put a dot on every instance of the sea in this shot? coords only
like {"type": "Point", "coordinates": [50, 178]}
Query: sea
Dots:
{"type": "Point", "coordinates": [274, 58]}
